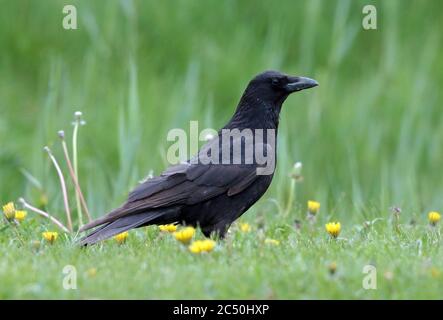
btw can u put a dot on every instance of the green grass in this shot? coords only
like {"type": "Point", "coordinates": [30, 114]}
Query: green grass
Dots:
{"type": "Point", "coordinates": [154, 265]}
{"type": "Point", "coordinates": [370, 137]}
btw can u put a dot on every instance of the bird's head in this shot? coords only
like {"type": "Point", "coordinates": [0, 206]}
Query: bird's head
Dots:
{"type": "Point", "coordinates": [275, 87]}
{"type": "Point", "coordinates": [260, 105]}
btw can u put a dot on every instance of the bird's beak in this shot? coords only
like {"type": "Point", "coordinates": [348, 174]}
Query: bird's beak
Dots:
{"type": "Point", "coordinates": [300, 83]}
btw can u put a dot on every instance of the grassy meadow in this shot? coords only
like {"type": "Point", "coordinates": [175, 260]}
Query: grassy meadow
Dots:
{"type": "Point", "coordinates": [370, 138]}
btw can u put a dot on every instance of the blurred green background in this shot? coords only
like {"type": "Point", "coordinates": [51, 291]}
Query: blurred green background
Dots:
{"type": "Point", "coordinates": [370, 136]}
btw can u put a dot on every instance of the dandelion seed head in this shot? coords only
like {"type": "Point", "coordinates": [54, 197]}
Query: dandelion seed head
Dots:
{"type": "Point", "coordinates": [296, 172]}
{"type": "Point", "coordinates": [61, 134]}
{"type": "Point", "coordinates": [78, 119]}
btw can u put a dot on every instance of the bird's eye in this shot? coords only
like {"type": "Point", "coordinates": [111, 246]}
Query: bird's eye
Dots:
{"type": "Point", "coordinates": [275, 82]}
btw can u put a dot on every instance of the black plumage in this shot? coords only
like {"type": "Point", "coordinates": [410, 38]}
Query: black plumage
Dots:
{"type": "Point", "coordinates": [210, 196]}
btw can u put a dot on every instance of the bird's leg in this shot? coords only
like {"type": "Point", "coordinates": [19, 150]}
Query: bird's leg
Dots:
{"type": "Point", "coordinates": [218, 230]}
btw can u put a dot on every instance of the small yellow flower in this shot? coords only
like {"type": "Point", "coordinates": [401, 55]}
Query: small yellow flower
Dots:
{"type": "Point", "coordinates": [332, 267]}
{"type": "Point", "coordinates": [434, 217]}
{"type": "Point", "coordinates": [168, 227]}
{"type": "Point", "coordinates": [20, 215]}
{"type": "Point", "coordinates": [272, 242]}
{"type": "Point", "coordinates": [43, 200]}
{"type": "Point", "coordinates": [121, 237]}
{"type": "Point", "coordinates": [185, 235]}
{"type": "Point", "coordinates": [91, 272]}
{"type": "Point", "coordinates": [313, 207]}
{"type": "Point", "coordinates": [9, 210]}
{"type": "Point", "coordinates": [333, 228]}
{"type": "Point", "coordinates": [245, 227]}
{"type": "Point", "coordinates": [201, 246]}
{"type": "Point", "coordinates": [50, 236]}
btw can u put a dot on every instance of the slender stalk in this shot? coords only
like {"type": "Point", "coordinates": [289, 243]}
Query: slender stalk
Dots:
{"type": "Point", "coordinates": [295, 177]}
{"type": "Point", "coordinates": [43, 214]}
{"type": "Point", "coordinates": [291, 198]}
{"type": "Point", "coordinates": [63, 187]}
{"type": "Point", "coordinates": [78, 190]}
{"type": "Point", "coordinates": [77, 123]}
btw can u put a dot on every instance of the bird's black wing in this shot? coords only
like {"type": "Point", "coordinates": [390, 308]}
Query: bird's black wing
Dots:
{"type": "Point", "coordinates": [183, 184]}
{"type": "Point", "coordinates": [191, 185]}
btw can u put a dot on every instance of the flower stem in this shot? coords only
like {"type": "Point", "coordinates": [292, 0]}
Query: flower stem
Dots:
{"type": "Point", "coordinates": [74, 155]}
{"type": "Point", "coordinates": [79, 193]}
{"type": "Point", "coordinates": [44, 214]}
{"type": "Point", "coordinates": [63, 187]}
{"type": "Point", "coordinates": [291, 198]}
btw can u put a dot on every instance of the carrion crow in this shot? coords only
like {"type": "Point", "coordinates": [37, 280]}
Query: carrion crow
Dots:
{"type": "Point", "coordinates": [212, 194]}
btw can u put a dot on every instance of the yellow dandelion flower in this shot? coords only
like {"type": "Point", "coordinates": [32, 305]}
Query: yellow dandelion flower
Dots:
{"type": "Point", "coordinates": [91, 272]}
{"type": "Point", "coordinates": [434, 217]}
{"type": "Point", "coordinates": [201, 246]}
{"type": "Point", "coordinates": [332, 267]}
{"type": "Point", "coordinates": [50, 236]}
{"type": "Point", "coordinates": [121, 237]}
{"type": "Point", "coordinates": [20, 215]}
{"type": "Point", "coordinates": [245, 227]}
{"type": "Point", "coordinates": [168, 227]}
{"type": "Point", "coordinates": [313, 207]}
{"type": "Point", "coordinates": [272, 242]}
{"type": "Point", "coordinates": [333, 228]}
{"type": "Point", "coordinates": [9, 210]}
{"type": "Point", "coordinates": [43, 200]}
{"type": "Point", "coordinates": [435, 273]}
{"type": "Point", "coordinates": [185, 235]}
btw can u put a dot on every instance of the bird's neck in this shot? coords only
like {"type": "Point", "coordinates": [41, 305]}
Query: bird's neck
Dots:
{"type": "Point", "coordinates": [253, 113]}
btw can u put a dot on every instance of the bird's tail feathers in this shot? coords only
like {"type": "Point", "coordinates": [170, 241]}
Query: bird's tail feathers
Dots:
{"type": "Point", "coordinates": [108, 218]}
{"type": "Point", "coordinates": [121, 225]}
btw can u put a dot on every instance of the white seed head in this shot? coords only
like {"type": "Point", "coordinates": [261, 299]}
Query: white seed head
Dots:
{"type": "Point", "coordinates": [296, 171]}
{"type": "Point", "coordinates": [61, 134]}
{"type": "Point", "coordinates": [78, 115]}
{"type": "Point", "coordinates": [46, 148]}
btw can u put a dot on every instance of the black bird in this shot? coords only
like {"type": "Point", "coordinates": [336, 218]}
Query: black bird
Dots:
{"type": "Point", "coordinates": [210, 196]}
